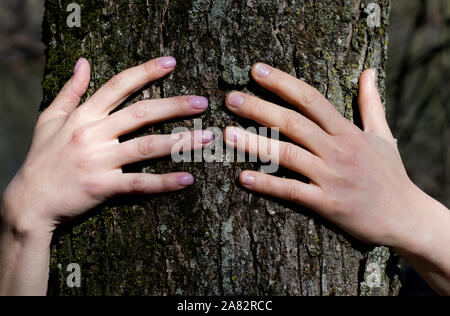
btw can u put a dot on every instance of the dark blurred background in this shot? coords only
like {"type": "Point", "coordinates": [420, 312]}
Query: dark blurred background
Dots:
{"type": "Point", "coordinates": [418, 97]}
{"type": "Point", "coordinates": [419, 91]}
{"type": "Point", "coordinates": [21, 73]}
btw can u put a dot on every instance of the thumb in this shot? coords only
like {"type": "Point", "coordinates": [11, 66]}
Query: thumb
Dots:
{"type": "Point", "coordinates": [371, 108]}
{"type": "Point", "coordinates": [71, 94]}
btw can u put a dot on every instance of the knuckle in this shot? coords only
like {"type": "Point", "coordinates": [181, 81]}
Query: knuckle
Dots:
{"type": "Point", "coordinates": [279, 82]}
{"type": "Point", "coordinates": [290, 153]}
{"type": "Point", "coordinates": [294, 192]}
{"type": "Point", "coordinates": [264, 185]}
{"type": "Point", "coordinates": [82, 136]}
{"type": "Point", "coordinates": [333, 207]}
{"type": "Point", "coordinates": [138, 184]}
{"type": "Point", "coordinates": [149, 68]}
{"type": "Point", "coordinates": [337, 206]}
{"type": "Point", "coordinates": [86, 160]}
{"type": "Point", "coordinates": [118, 83]}
{"type": "Point", "coordinates": [139, 110]}
{"type": "Point", "coordinates": [183, 101]}
{"type": "Point", "coordinates": [145, 146]}
{"type": "Point", "coordinates": [166, 184]}
{"type": "Point", "coordinates": [93, 187]}
{"type": "Point", "coordinates": [309, 96]}
{"type": "Point", "coordinates": [254, 108]}
{"type": "Point", "coordinates": [293, 123]}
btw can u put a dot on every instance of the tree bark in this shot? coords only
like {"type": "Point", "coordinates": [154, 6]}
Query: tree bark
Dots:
{"type": "Point", "coordinates": [216, 238]}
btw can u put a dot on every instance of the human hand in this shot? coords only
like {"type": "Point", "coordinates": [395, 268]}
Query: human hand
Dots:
{"type": "Point", "coordinates": [75, 159]}
{"type": "Point", "coordinates": [357, 178]}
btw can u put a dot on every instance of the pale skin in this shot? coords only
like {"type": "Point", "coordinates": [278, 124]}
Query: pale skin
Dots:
{"type": "Point", "coordinates": [357, 179]}
{"type": "Point", "coordinates": [75, 161]}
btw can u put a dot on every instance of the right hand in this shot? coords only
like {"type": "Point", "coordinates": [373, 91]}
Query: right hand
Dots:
{"type": "Point", "coordinates": [357, 178]}
{"type": "Point", "coordinates": [75, 160]}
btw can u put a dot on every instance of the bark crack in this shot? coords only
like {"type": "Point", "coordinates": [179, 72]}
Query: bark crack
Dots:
{"type": "Point", "coordinates": [253, 249]}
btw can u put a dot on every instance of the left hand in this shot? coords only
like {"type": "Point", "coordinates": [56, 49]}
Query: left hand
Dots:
{"type": "Point", "coordinates": [75, 160]}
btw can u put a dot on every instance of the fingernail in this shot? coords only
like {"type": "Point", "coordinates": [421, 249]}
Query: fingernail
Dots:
{"type": "Point", "coordinates": [233, 135]}
{"type": "Point", "coordinates": [374, 76]}
{"type": "Point", "coordinates": [167, 62]}
{"type": "Point", "coordinates": [235, 100]}
{"type": "Point", "coordinates": [77, 65]}
{"type": "Point", "coordinates": [198, 103]}
{"type": "Point", "coordinates": [248, 179]}
{"type": "Point", "coordinates": [207, 137]}
{"type": "Point", "coordinates": [185, 180]}
{"type": "Point", "coordinates": [262, 70]}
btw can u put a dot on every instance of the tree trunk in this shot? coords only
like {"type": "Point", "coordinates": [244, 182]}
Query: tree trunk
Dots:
{"type": "Point", "coordinates": [216, 238]}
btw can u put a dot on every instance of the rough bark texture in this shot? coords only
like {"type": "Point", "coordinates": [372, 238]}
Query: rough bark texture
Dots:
{"type": "Point", "coordinates": [216, 238]}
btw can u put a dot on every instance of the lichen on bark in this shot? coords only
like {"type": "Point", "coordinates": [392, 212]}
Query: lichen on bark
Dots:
{"type": "Point", "coordinates": [215, 237]}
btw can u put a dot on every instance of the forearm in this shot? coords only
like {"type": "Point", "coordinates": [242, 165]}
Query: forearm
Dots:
{"type": "Point", "coordinates": [427, 248]}
{"type": "Point", "coordinates": [24, 258]}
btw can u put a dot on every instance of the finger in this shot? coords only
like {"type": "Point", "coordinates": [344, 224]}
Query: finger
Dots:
{"type": "Point", "coordinates": [71, 94]}
{"type": "Point", "coordinates": [308, 195]}
{"type": "Point", "coordinates": [286, 154]}
{"type": "Point", "coordinates": [120, 87]}
{"type": "Point", "coordinates": [371, 107]}
{"type": "Point", "coordinates": [143, 183]}
{"type": "Point", "coordinates": [310, 101]}
{"type": "Point", "coordinates": [149, 112]}
{"type": "Point", "coordinates": [156, 146]}
{"type": "Point", "coordinates": [292, 124]}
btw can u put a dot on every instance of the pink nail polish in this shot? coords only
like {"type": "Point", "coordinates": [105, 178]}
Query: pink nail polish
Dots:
{"type": "Point", "coordinates": [262, 70]}
{"type": "Point", "coordinates": [207, 137]}
{"type": "Point", "coordinates": [198, 103]}
{"type": "Point", "coordinates": [248, 179]}
{"type": "Point", "coordinates": [235, 100]}
{"type": "Point", "coordinates": [233, 135]}
{"type": "Point", "coordinates": [167, 62]}
{"type": "Point", "coordinates": [77, 65]}
{"type": "Point", "coordinates": [185, 180]}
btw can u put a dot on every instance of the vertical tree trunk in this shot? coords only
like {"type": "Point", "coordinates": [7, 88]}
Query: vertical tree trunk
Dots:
{"type": "Point", "coordinates": [216, 238]}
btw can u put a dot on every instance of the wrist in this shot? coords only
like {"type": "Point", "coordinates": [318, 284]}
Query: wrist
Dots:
{"type": "Point", "coordinates": [422, 230]}
{"type": "Point", "coordinates": [17, 222]}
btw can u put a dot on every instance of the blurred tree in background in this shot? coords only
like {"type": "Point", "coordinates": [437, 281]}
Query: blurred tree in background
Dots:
{"type": "Point", "coordinates": [418, 100]}
{"type": "Point", "coordinates": [21, 71]}
{"type": "Point", "coordinates": [419, 91]}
